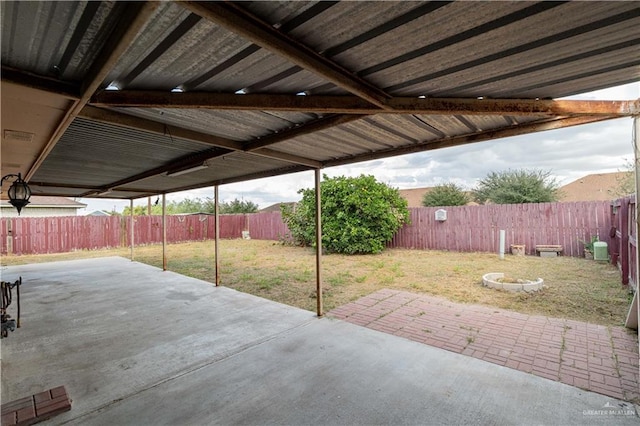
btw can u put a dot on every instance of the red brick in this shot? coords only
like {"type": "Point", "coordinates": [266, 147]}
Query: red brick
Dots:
{"type": "Point", "coordinates": [9, 419]}
{"type": "Point", "coordinates": [495, 359]}
{"type": "Point", "coordinates": [512, 363]}
{"type": "Point", "coordinates": [26, 414]}
{"type": "Point", "coordinates": [607, 390]}
{"type": "Point", "coordinates": [43, 404]}
{"type": "Point", "coordinates": [480, 354]}
{"type": "Point", "coordinates": [612, 381]}
{"type": "Point", "coordinates": [521, 358]}
{"type": "Point", "coordinates": [566, 379]}
{"type": "Point", "coordinates": [42, 396]}
{"type": "Point", "coordinates": [596, 377]}
{"type": "Point", "coordinates": [17, 404]}
{"type": "Point", "coordinates": [545, 374]}
{"type": "Point", "coordinates": [53, 409]}
{"type": "Point", "coordinates": [575, 372]}
{"type": "Point", "coordinates": [526, 367]}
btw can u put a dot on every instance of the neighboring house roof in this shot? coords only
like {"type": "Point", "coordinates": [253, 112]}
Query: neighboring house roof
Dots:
{"type": "Point", "coordinates": [276, 207]}
{"type": "Point", "coordinates": [594, 187]}
{"type": "Point", "coordinates": [39, 201]}
{"type": "Point", "coordinates": [98, 213]}
{"type": "Point", "coordinates": [414, 195]}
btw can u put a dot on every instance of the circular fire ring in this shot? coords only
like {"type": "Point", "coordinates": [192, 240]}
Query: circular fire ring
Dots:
{"type": "Point", "coordinates": [495, 280]}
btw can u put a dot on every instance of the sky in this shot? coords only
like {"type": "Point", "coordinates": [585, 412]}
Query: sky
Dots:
{"type": "Point", "coordinates": [568, 154]}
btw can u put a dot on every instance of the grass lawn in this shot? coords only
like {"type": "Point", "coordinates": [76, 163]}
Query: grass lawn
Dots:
{"type": "Point", "coordinates": [575, 288]}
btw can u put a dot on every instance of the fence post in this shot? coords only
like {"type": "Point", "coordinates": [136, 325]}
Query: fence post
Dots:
{"type": "Point", "coordinates": [9, 236]}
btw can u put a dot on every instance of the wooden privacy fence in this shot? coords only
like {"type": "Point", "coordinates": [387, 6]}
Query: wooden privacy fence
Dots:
{"type": "Point", "coordinates": [477, 228]}
{"type": "Point", "coordinates": [624, 241]}
{"type": "Point", "coordinates": [180, 228]}
{"type": "Point", "coordinates": [467, 228]}
{"type": "Point", "coordinates": [71, 233]}
{"type": "Point", "coordinates": [59, 234]}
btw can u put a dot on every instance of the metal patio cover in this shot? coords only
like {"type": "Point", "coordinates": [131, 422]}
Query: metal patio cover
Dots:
{"type": "Point", "coordinates": [111, 99]}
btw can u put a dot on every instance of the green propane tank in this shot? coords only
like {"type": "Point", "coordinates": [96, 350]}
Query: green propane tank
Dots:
{"type": "Point", "coordinates": [600, 251]}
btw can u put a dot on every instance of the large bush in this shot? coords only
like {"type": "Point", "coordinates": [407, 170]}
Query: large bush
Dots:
{"type": "Point", "coordinates": [517, 187]}
{"type": "Point", "coordinates": [359, 215]}
{"type": "Point", "coordinates": [448, 194]}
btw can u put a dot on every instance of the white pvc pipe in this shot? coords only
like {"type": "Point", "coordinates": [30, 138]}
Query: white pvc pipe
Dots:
{"type": "Point", "coordinates": [502, 238]}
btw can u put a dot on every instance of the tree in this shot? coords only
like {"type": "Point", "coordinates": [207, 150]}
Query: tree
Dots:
{"type": "Point", "coordinates": [447, 194]}
{"type": "Point", "coordinates": [238, 206]}
{"type": "Point", "coordinates": [359, 215]}
{"type": "Point", "coordinates": [625, 182]}
{"type": "Point", "coordinates": [195, 205]}
{"type": "Point", "coordinates": [516, 187]}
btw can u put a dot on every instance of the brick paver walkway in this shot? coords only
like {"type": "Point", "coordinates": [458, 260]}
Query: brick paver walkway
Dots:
{"type": "Point", "coordinates": [592, 357]}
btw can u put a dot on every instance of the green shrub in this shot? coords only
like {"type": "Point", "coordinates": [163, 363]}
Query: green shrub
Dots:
{"type": "Point", "coordinates": [359, 215]}
{"type": "Point", "coordinates": [516, 187]}
{"type": "Point", "coordinates": [448, 194]}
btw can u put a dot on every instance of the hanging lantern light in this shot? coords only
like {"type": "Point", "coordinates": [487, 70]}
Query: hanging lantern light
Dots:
{"type": "Point", "coordinates": [19, 192]}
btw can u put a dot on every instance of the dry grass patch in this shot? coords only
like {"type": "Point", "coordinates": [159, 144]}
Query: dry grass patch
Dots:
{"type": "Point", "coordinates": [575, 288]}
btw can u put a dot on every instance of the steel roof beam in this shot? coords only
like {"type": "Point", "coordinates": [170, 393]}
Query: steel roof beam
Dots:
{"type": "Point", "coordinates": [39, 82]}
{"type": "Point", "coordinates": [242, 178]}
{"type": "Point", "coordinates": [557, 123]}
{"type": "Point", "coordinates": [236, 19]}
{"type": "Point", "coordinates": [322, 123]}
{"type": "Point", "coordinates": [134, 17]}
{"type": "Point", "coordinates": [355, 105]}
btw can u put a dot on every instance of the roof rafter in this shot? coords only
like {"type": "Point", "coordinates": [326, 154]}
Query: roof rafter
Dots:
{"type": "Point", "coordinates": [355, 105]}
{"type": "Point", "coordinates": [240, 21]}
{"type": "Point", "coordinates": [136, 16]}
{"type": "Point", "coordinates": [39, 82]}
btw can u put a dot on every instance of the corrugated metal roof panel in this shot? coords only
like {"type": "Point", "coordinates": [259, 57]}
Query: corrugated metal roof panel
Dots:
{"type": "Point", "coordinates": [58, 39]}
{"type": "Point", "coordinates": [447, 21]}
{"type": "Point", "coordinates": [527, 41]}
{"type": "Point", "coordinates": [512, 75]}
{"type": "Point", "coordinates": [186, 51]}
{"type": "Point", "coordinates": [388, 131]}
{"type": "Point", "coordinates": [235, 125]}
{"type": "Point", "coordinates": [98, 154]}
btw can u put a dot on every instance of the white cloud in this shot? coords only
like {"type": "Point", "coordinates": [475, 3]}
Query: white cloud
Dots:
{"type": "Point", "coordinates": [568, 153]}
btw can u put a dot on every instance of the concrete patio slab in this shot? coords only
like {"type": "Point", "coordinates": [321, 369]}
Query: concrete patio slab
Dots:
{"type": "Point", "coordinates": [135, 345]}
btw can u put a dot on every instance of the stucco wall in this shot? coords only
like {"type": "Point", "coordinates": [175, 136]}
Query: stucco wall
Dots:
{"type": "Point", "coordinates": [38, 211]}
